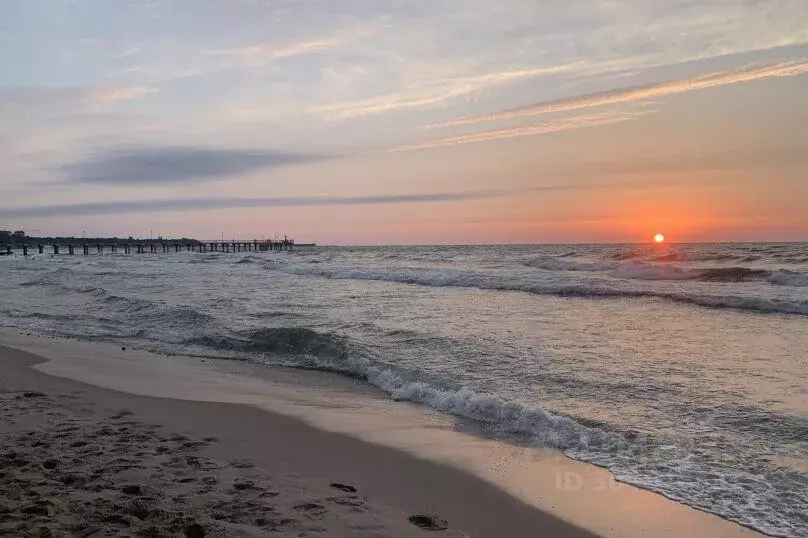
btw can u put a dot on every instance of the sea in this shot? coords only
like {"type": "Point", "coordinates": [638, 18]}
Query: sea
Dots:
{"type": "Point", "coordinates": [683, 369]}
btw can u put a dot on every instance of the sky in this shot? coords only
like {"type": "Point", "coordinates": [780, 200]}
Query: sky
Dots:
{"type": "Point", "coordinates": [406, 121]}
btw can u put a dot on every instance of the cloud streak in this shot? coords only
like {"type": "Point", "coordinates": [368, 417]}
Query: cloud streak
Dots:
{"type": "Point", "coordinates": [180, 164]}
{"type": "Point", "coordinates": [201, 204]}
{"type": "Point", "coordinates": [431, 94]}
{"type": "Point", "coordinates": [118, 93]}
{"type": "Point", "coordinates": [641, 93]}
{"type": "Point", "coordinates": [564, 124]}
{"type": "Point", "coordinates": [276, 51]}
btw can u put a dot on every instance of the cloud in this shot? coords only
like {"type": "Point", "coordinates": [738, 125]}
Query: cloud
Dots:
{"type": "Point", "coordinates": [161, 165]}
{"type": "Point", "coordinates": [155, 67]}
{"type": "Point", "coordinates": [564, 124]}
{"type": "Point", "coordinates": [201, 204]}
{"type": "Point", "coordinates": [125, 53]}
{"type": "Point", "coordinates": [431, 93]}
{"type": "Point", "coordinates": [639, 93]}
{"type": "Point", "coordinates": [275, 51]}
{"type": "Point", "coordinates": [118, 93]}
{"type": "Point", "coordinates": [198, 204]}
{"type": "Point", "coordinates": [65, 99]}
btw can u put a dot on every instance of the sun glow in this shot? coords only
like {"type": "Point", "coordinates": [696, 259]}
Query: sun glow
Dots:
{"type": "Point", "coordinates": [659, 238]}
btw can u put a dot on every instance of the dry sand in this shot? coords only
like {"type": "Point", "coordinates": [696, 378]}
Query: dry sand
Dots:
{"type": "Point", "coordinates": [79, 460]}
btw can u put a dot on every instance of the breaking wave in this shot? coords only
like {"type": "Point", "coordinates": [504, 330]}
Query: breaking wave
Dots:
{"type": "Point", "coordinates": [305, 348]}
{"type": "Point", "coordinates": [647, 271]}
{"type": "Point", "coordinates": [638, 460]}
{"type": "Point", "coordinates": [656, 271]}
{"type": "Point", "coordinates": [469, 279]}
{"type": "Point", "coordinates": [784, 277]}
{"type": "Point", "coordinates": [560, 264]}
{"type": "Point", "coordinates": [280, 340]}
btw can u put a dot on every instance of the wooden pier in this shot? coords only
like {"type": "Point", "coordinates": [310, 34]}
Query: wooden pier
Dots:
{"type": "Point", "coordinates": [156, 246]}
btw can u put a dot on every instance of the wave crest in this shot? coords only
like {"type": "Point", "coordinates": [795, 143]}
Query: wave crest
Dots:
{"type": "Point", "coordinates": [647, 271]}
{"type": "Point", "coordinates": [471, 279]}
{"type": "Point", "coordinates": [784, 277]}
{"type": "Point", "coordinates": [558, 264]}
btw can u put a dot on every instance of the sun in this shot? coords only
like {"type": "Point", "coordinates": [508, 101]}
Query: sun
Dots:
{"type": "Point", "coordinates": [659, 238]}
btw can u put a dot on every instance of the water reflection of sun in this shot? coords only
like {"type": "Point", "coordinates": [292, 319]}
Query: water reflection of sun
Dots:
{"type": "Point", "coordinates": [659, 238]}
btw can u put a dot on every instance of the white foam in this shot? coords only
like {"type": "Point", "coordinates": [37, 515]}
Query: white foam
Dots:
{"type": "Point", "coordinates": [540, 425]}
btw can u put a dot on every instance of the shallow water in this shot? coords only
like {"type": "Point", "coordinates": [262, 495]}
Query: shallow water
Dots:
{"type": "Point", "coordinates": [682, 369]}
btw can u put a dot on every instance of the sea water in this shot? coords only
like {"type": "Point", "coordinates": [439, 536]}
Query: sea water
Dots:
{"type": "Point", "coordinates": [680, 368]}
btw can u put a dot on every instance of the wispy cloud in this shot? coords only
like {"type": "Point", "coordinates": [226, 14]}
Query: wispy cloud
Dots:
{"type": "Point", "coordinates": [641, 93]}
{"type": "Point", "coordinates": [431, 93]}
{"type": "Point", "coordinates": [37, 102]}
{"type": "Point", "coordinates": [203, 204]}
{"type": "Point", "coordinates": [199, 204]}
{"type": "Point", "coordinates": [194, 63]}
{"type": "Point", "coordinates": [125, 53]}
{"type": "Point", "coordinates": [118, 93]}
{"type": "Point", "coordinates": [275, 51]}
{"type": "Point", "coordinates": [167, 165]}
{"type": "Point", "coordinates": [564, 124]}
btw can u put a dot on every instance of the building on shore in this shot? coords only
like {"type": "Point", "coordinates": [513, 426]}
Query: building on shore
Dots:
{"type": "Point", "coordinates": [19, 234]}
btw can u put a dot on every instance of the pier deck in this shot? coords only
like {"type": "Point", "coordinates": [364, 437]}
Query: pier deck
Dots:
{"type": "Point", "coordinates": [144, 246]}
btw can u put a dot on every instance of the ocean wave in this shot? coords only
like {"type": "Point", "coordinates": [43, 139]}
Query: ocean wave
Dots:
{"type": "Point", "coordinates": [48, 279]}
{"type": "Point", "coordinates": [733, 274]}
{"type": "Point", "coordinates": [278, 340]}
{"type": "Point", "coordinates": [469, 279]}
{"type": "Point", "coordinates": [557, 264]}
{"type": "Point", "coordinates": [693, 257]}
{"type": "Point", "coordinates": [154, 314]}
{"type": "Point", "coordinates": [784, 277]}
{"type": "Point", "coordinates": [659, 271]}
{"type": "Point", "coordinates": [634, 459]}
{"type": "Point", "coordinates": [127, 304]}
{"type": "Point", "coordinates": [250, 258]}
{"type": "Point", "coordinates": [671, 257]}
{"type": "Point", "coordinates": [306, 348]}
{"type": "Point", "coordinates": [630, 255]}
{"type": "Point", "coordinates": [648, 271]}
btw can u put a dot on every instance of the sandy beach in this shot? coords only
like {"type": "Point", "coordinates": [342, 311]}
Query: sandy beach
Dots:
{"type": "Point", "coordinates": [79, 460]}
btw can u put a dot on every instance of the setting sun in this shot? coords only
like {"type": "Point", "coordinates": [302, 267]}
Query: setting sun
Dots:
{"type": "Point", "coordinates": [659, 238]}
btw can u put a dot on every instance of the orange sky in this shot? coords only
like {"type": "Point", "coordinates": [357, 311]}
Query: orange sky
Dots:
{"type": "Point", "coordinates": [390, 124]}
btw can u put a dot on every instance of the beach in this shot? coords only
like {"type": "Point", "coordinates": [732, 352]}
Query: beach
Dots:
{"type": "Point", "coordinates": [85, 460]}
{"type": "Point", "coordinates": [628, 390]}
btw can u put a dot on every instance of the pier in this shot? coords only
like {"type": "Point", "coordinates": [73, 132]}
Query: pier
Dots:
{"type": "Point", "coordinates": [137, 246]}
